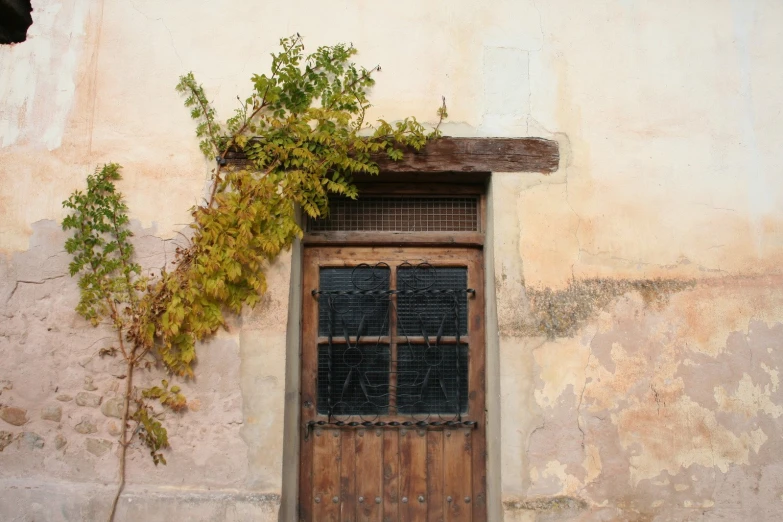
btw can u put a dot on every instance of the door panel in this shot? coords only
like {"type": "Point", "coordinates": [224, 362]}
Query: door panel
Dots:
{"type": "Point", "coordinates": [369, 479]}
{"type": "Point", "coordinates": [413, 477]}
{"type": "Point", "coordinates": [348, 476]}
{"type": "Point", "coordinates": [457, 450]}
{"type": "Point", "coordinates": [435, 474]}
{"type": "Point", "coordinates": [326, 476]}
{"type": "Point", "coordinates": [391, 475]}
{"type": "Point", "coordinates": [392, 385]}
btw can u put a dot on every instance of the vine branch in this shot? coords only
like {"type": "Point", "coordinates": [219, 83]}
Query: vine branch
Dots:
{"type": "Point", "coordinates": [302, 139]}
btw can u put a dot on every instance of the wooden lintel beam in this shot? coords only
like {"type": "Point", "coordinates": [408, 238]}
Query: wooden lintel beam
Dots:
{"type": "Point", "coordinates": [478, 155]}
{"type": "Point", "coordinates": [471, 155]}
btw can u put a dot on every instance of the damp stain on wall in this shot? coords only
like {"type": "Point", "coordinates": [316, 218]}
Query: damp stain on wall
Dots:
{"type": "Point", "coordinates": [560, 313]}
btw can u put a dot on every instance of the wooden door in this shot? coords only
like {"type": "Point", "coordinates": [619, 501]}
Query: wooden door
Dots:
{"type": "Point", "coordinates": [392, 401]}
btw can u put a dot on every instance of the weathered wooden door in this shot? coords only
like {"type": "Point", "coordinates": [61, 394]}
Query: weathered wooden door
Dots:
{"type": "Point", "coordinates": [392, 403]}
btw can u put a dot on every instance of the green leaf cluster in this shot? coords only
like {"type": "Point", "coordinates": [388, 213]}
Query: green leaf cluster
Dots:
{"type": "Point", "coordinates": [113, 289]}
{"type": "Point", "coordinates": [170, 397]}
{"type": "Point", "coordinates": [303, 133]}
{"type": "Point", "coordinates": [152, 433]}
{"type": "Point", "coordinates": [302, 129]}
{"type": "Point", "coordinates": [100, 246]}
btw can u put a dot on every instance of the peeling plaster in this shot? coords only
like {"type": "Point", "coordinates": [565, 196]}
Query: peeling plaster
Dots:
{"type": "Point", "coordinates": [633, 410]}
{"type": "Point", "coordinates": [221, 442]}
{"type": "Point", "coordinates": [37, 99]}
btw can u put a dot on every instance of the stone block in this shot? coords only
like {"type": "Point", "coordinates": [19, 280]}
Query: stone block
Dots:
{"type": "Point", "coordinates": [52, 413]}
{"type": "Point", "coordinates": [30, 440]}
{"type": "Point", "coordinates": [113, 407]}
{"type": "Point", "coordinates": [114, 429]}
{"type": "Point", "coordinates": [15, 416]}
{"type": "Point", "coordinates": [91, 400]}
{"type": "Point", "coordinates": [86, 426]}
{"type": "Point", "coordinates": [98, 447]}
{"type": "Point", "coordinates": [6, 437]}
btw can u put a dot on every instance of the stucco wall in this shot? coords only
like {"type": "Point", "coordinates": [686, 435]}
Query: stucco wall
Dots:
{"type": "Point", "coordinates": [639, 302]}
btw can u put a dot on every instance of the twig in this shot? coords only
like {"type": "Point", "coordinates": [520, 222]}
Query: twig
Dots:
{"type": "Point", "coordinates": [124, 434]}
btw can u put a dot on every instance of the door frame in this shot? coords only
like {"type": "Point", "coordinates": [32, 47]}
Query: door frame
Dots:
{"type": "Point", "coordinates": [473, 181]}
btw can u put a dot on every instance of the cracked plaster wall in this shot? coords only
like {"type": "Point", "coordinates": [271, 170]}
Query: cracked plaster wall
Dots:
{"type": "Point", "coordinates": [668, 119]}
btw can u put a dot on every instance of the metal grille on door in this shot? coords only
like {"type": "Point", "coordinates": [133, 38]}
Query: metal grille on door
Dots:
{"type": "Point", "coordinates": [428, 379]}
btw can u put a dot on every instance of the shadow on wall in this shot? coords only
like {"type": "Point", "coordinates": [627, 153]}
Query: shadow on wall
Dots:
{"type": "Point", "coordinates": [15, 19]}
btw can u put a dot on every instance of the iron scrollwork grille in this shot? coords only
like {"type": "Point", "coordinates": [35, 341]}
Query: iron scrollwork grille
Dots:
{"type": "Point", "coordinates": [393, 351]}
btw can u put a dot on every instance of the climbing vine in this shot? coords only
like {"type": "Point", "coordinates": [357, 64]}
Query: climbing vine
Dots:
{"type": "Point", "coordinates": [302, 129]}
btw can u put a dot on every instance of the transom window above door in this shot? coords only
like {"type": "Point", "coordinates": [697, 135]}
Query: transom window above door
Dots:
{"type": "Point", "coordinates": [400, 214]}
{"type": "Point", "coordinates": [421, 214]}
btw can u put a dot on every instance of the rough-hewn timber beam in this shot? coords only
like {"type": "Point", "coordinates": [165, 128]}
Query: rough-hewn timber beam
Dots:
{"type": "Point", "coordinates": [472, 155]}
{"type": "Point", "coordinates": [479, 155]}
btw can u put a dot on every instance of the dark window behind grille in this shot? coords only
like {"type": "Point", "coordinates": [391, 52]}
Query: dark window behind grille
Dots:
{"type": "Point", "coordinates": [359, 379]}
{"type": "Point", "coordinates": [354, 375]}
{"type": "Point", "coordinates": [400, 214]}
{"type": "Point", "coordinates": [349, 312]}
{"type": "Point", "coordinates": [425, 312]}
{"type": "Point", "coordinates": [428, 379]}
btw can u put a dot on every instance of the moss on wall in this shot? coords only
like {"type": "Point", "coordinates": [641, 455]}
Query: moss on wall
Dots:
{"type": "Point", "coordinates": [557, 503]}
{"type": "Point", "coordinates": [560, 313]}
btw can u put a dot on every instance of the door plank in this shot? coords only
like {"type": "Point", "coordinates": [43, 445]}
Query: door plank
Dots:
{"type": "Point", "coordinates": [477, 384]}
{"type": "Point", "coordinates": [307, 397]}
{"type": "Point", "coordinates": [326, 476]}
{"type": "Point", "coordinates": [347, 475]}
{"type": "Point", "coordinates": [479, 486]}
{"type": "Point", "coordinates": [391, 475]}
{"type": "Point", "coordinates": [413, 475]}
{"type": "Point", "coordinates": [435, 496]}
{"type": "Point", "coordinates": [369, 474]}
{"type": "Point", "coordinates": [306, 478]}
{"type": "Point", "coordinates": [457, 453]}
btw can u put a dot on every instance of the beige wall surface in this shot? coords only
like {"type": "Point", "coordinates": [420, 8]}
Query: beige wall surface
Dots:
{"type": "Point", "coordinates": [639, 310]}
